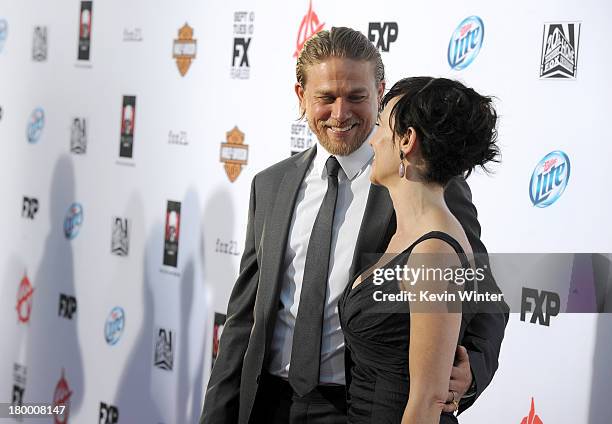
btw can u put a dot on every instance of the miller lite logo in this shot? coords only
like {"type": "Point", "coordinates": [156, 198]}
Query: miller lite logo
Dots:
{"type": "Point", "coordinates": [61, 401]}
{"type": "Point", "coordinates": [560, 50]}
{"type": "Point", "coordinates": [85, 17]}
{"type": "Point", "coordinates": [39, 44]}
{"type": "Point", "coordinates": [73, 221]}
{"type": "Point", "coordinates": [128, 116]}
{"type": "Point", "coordinates": [3, 33]}
{"type": "Point", "coordinates": [114, 325]}
{"type": "Point", "coordinates": [36, 123]}
{"type": "Point", "coordinates": [465, 43]}
{"type": "Point", "coordinates": [234, 153]}
{"type": "Point", "coordinates": [184, 49]}
{"type": "Point", "coordinates": [309, 26]}
{"type": "Point", "coordinates": [164, 349]}
{"type": "Point", "coordinates": [549, 179]}
{"type": "Point", "coordinates": [25, 292]}
{"type": "Point", "coordinates": [382, 34]}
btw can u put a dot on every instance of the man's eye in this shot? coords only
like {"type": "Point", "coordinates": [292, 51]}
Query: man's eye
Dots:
{"type": "Point", "coordinates": [357, 98]}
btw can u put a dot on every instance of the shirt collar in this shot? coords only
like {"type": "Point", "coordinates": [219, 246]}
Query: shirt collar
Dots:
{"type": "Point", "coordinates": [352, 164]}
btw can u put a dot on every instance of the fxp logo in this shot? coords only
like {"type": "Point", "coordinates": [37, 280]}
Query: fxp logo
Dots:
{"type": "Point", "coordinates": [465, 43]}
{"type": "Point", "coordinates": [113, 328]}
{"type": "Point", "coordinates": [73, 221]}
{"type": "Point", "coordinates": [549, 179]}
{"type": "Point", "coordinates": [36, 123]}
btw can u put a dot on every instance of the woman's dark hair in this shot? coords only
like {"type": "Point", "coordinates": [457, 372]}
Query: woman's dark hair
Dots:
{"type": "Point", "coordinates": [455, 125]}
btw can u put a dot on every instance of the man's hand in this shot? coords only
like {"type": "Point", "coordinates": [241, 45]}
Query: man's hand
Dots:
{"type": "Point", "coordinates": [460, 381]}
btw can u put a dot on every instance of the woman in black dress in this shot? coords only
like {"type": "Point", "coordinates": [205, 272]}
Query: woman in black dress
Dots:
{"type": "Point", "coordinates": [400, 353]}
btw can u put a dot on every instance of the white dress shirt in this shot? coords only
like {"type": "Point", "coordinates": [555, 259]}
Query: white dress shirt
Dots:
{"type": "Point", "coordinates": [353, 189]}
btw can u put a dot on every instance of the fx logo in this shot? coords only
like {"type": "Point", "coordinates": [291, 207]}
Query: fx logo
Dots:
{"type": "Point", "coordinates": [536, 299]}
{"type": "Point", "coordinates": [241, 47]}
{"type": "Point", "coordinates": [382, 34]}
{"type": "Point", "coordinates": [109, 414]}
{"type": "Point", "coordinates": [67, 306]}
{"type": "Point", "coordinates": [29, 208]}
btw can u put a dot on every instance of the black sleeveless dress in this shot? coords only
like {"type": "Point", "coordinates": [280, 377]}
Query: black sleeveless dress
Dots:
{"type": "Point", "coordinates": [377, 345]}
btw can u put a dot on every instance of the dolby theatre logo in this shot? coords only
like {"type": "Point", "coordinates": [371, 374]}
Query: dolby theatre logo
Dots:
{"type": "Point", "coordinates": [184, 49]}
{"type": "Point", "coordinates": [234, 153]}
{"type": "Point", "coordinates": [549, 179]}
{"type": "Point", "coordinates": [560, 50]}
{"type": "Point", "coordinates": [309, 26]}
{"type": "Point", "coordinates": [465, 43]}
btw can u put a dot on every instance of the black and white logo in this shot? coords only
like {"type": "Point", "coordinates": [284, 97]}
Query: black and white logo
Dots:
{"type": "Point", "coordinates": [120, 241]}
{"type": "Point", "coordinates": [560, 50]}
{"type": "Point", "coordinates": [541, 303]}
{"type": "Point", "coordinates": [109, 414]}
{"type": "Point", "coordinates": [78, 136]}
{"type": "Point", "coordinates": [67, 306]}
{"type": "Point", "coordinates": [164, 349]}
{"type": "Point", "coordinates": [39, 44]}
{"type": "Point", "coordinates": [301, 137]}
{"type": "Point", "coordinates": [19, 384]}
{"type": "Point", "coordinates": [382, 34]}
{"type": "Point", "coordinates": [29, 208]}
{"type": "Point", "coordinates": [243, 33]}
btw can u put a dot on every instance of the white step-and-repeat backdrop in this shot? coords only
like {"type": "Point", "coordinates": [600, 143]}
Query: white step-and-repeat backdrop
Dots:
{"type": "Point", "coordinates": [130, 132]}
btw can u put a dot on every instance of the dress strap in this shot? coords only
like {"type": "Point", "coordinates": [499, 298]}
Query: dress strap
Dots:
{"type": "Point", "coordinates": [465, 263]}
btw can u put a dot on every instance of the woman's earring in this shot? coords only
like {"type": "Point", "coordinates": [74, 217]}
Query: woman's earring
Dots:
{"type": "Point", "coordinates": [402, 168]}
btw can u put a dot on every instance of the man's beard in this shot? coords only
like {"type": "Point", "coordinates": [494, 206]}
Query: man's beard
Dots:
{"type": "Point", "coordinates": [337, 147]}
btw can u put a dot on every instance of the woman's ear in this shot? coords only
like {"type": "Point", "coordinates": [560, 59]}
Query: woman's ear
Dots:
{"type": "Point", "coordinates": [409, 142]}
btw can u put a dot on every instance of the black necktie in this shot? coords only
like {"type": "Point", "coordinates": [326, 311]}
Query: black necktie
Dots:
{"type": "Point", "coordinates": [306, 349]}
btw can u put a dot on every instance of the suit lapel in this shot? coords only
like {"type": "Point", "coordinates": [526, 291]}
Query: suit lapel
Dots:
{"type": "Point", "coordinates": [378, 213]}
{"type": "Point", "coordinates": [275, 234]}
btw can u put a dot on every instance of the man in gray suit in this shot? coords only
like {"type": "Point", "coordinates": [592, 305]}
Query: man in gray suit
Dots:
{"type": "Point", "coordinates": [312, 219]}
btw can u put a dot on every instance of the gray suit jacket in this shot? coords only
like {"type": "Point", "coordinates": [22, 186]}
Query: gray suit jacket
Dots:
{"type": "Point", "coordinates": [254, 302]}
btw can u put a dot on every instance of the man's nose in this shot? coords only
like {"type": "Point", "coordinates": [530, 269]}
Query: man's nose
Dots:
{"type": "Point", "coordinates": [341, 110]}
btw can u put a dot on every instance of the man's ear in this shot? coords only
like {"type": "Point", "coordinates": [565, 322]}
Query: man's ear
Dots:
{"type": "Point", "coordinates": [380, 91]}
{"type": "Point", "coordinates": [299, 92]}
